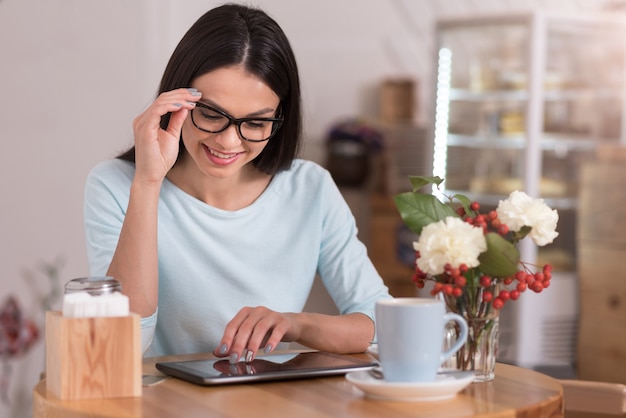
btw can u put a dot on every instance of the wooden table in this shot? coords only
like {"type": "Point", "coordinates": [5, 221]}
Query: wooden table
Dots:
{"type": "Point", "coordinates": [515, 392]}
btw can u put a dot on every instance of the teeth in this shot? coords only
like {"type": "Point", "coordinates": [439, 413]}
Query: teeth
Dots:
{"type": "Point", "coordinates": [220, 155]}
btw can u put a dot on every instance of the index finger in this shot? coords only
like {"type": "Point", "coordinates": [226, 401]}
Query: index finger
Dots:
{"type": "Point", "coordinates": [225, 347]}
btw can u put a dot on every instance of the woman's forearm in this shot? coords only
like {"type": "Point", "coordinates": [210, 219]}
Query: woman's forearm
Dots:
{"type": "Point", "coordinates": [349, 333]}
{"type": "Point", "coordinates": [135, 261]}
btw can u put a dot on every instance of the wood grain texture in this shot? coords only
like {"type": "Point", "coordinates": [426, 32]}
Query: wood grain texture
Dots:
{"type": "Point", "coordinates": [515, 392]}
{"type": "Point", "coordinates": [595, 397]}
{"type": "Point", "coordinates": [602, 208]}
{"type": "Point", "coordinates": [601, 246]}
{"type": "Point", "coordinates": [89, 358]}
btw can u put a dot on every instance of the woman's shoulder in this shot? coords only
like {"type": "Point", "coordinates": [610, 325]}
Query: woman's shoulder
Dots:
{"type": "Point", "coordinates": [112, 171]}
{"type": "Point", "coordinates": [303, 177]}
{"type": "Point", "coordinates": [114, 165]}
{"type": "Point", "coordinates": [307, 170]}
{"type": "Point", "coordinates": [303, 172]}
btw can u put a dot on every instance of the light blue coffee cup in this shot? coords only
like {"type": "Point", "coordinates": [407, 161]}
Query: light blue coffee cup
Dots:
{"type": "Point", "coordinates": [410, 336]}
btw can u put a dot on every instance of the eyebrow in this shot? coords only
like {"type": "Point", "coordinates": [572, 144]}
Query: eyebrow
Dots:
{"type": "Point", "coordinates": [258, 113]}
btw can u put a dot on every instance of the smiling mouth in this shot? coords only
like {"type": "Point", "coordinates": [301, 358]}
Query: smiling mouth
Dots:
{"type": "Point", "coordinates": [221, 155]}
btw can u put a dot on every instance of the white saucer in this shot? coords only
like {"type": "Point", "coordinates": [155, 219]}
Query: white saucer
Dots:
{"type": "Point", "coordinates": [446, 386]}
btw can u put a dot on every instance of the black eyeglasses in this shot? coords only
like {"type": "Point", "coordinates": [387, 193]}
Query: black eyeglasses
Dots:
{"type": "Point", "coordinates": [209, 119]}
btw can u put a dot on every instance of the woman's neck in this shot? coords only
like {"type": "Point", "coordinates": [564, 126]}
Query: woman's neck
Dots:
{"type": "Point", "coordinates": [229, 193]}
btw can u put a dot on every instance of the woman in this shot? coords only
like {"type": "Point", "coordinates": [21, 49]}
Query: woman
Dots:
{"type": "Point", "coordinates": [211, 224]}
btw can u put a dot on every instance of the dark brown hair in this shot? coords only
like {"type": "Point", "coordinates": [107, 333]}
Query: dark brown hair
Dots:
{"type": "Point", "coordinates": [232, 35]}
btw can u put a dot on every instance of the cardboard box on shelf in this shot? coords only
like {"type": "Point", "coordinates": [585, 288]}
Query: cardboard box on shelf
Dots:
{"type": "Point", "coordinates": [397, 100]}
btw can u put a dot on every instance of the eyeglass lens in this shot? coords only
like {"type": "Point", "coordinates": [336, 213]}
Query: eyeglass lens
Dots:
{"type": "Point", "coordinates": [210, 120]}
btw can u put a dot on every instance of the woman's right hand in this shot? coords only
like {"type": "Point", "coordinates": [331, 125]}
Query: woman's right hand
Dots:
{"type": "Point", "coordinates": [156, 149]}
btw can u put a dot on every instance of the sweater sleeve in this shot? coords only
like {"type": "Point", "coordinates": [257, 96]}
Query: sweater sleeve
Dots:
{"type": "Point", "coordinates": [106, 195]}
{"type": "Point", "coordinates": [345, 268]}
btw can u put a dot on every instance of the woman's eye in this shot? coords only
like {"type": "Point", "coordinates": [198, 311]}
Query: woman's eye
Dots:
{"type": "Point", "coordinates": [256, 124]}
{"type": "Point", "coordinates": [207, 114]}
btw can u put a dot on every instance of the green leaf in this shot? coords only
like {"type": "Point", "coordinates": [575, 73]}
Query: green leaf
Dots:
{"type": "Point", "coordinates": [417, 182]}
{"type": "Point", "coordinates": [465, 201]}
{"type": "Point", "coordinates": [419, 209]}
{"type": "Point", "coordinates": [525, 230]}
{"type": "Point", "coordinates": [501, 258]}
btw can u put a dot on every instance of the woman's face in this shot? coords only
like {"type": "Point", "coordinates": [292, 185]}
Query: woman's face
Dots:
{"type": "Point", "coordinates": [239, 94]}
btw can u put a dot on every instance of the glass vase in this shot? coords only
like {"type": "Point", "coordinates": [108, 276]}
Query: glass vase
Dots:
{"type": "Point", "coordinates": [481, 348]}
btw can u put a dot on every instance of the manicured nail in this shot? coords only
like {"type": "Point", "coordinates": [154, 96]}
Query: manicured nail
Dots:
{"type": "Point", "coordinates": [234, 358]}
{"type": "Point", "coordinates": [223, 349]}
{"type": "Point", "coordinates": [195, 92]}
{"type": "Point", "coordinates": [249, 356]}
{"type": "Point", "coordinates": [268, 348]}
{"type": "Point", "coordinates": [177, 104]}
{"type": "Point", "coordinates": [191, 103]}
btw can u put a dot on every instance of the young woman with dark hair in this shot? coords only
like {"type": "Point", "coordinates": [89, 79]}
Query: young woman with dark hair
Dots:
{"type": "Point", "coordinates": [214, 227]}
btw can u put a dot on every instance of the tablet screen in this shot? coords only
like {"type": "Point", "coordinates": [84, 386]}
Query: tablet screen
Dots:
{"type": "Point", "coordinates": [263, 368]}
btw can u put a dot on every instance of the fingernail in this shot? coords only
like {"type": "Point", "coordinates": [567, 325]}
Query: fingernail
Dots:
{"type": "Point", "coordinates": [223, 349]}
{"type": "Point", "coordinates": [234, 358]}
{"type": "Point", "coordinates": [195, 92]}
{"type": "Point", "coordinates": [249, 356]}
{"type": "Point", "coordinates": [177, 104]}
{"type": "Point", "coordinates": [268, 348]}
{"type": "Point", "coordinates": [191, 103]}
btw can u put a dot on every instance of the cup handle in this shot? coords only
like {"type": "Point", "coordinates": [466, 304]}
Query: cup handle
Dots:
{"type": "Point", "coordinates": [460, 340]}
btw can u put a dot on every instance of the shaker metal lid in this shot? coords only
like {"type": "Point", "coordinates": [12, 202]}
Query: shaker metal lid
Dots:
{"type": "Point", "coordinates": [85, 284]}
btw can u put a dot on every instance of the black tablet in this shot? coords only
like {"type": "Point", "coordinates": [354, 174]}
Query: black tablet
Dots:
{"type": "Point", "coordinates": [264, 368]}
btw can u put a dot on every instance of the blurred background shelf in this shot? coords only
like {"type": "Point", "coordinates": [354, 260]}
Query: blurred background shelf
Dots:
{"type": "Point", "coordinates": [523, 101]}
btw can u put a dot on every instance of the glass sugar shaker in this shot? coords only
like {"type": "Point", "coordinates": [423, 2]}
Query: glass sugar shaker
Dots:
{"type": "Point", "coordinates": [94, 285]}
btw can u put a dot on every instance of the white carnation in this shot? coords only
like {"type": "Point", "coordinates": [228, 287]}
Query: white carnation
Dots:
{"type": "Point", "coordinates": [521, 210]}
{"type": "Point", "coordinates": [450, 241]}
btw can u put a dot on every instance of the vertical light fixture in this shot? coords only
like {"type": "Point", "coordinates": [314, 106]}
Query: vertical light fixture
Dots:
{"type": "Point", "coordinates": [442, 111]}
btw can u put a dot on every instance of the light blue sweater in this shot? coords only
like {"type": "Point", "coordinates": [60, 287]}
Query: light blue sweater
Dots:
{"type": "Point", "coordinates": [213, 262]}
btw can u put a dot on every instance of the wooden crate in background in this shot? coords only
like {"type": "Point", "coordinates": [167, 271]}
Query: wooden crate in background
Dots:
{"type": "Point", "coordinates": [601, 245]}
{"type": "Point", "coordinates": [383, 246]}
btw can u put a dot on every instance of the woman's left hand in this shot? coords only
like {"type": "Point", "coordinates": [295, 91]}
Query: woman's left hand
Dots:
{"type": "Point", "coordinates": [255, 328]}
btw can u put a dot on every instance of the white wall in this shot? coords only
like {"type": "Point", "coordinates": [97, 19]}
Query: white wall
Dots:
{"type": "Point", "coordinates": [74, 73]}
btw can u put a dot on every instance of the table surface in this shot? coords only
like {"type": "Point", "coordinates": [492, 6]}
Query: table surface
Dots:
{"type": "Point", "coordinates": [514, 392]}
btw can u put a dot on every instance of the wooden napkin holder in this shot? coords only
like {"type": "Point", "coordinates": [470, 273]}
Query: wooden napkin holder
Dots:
{"type": "Point", "coordinates": [93, 358]}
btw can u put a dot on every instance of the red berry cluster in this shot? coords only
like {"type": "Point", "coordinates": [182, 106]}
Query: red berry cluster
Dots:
{"type": "Point", "coordinates": [488, 222]}
{"type": "Point", "coordinates": [454, 279]}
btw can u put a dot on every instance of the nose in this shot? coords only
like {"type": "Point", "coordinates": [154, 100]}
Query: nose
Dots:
{"type": "Point", "coordinates": [229, 137]}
